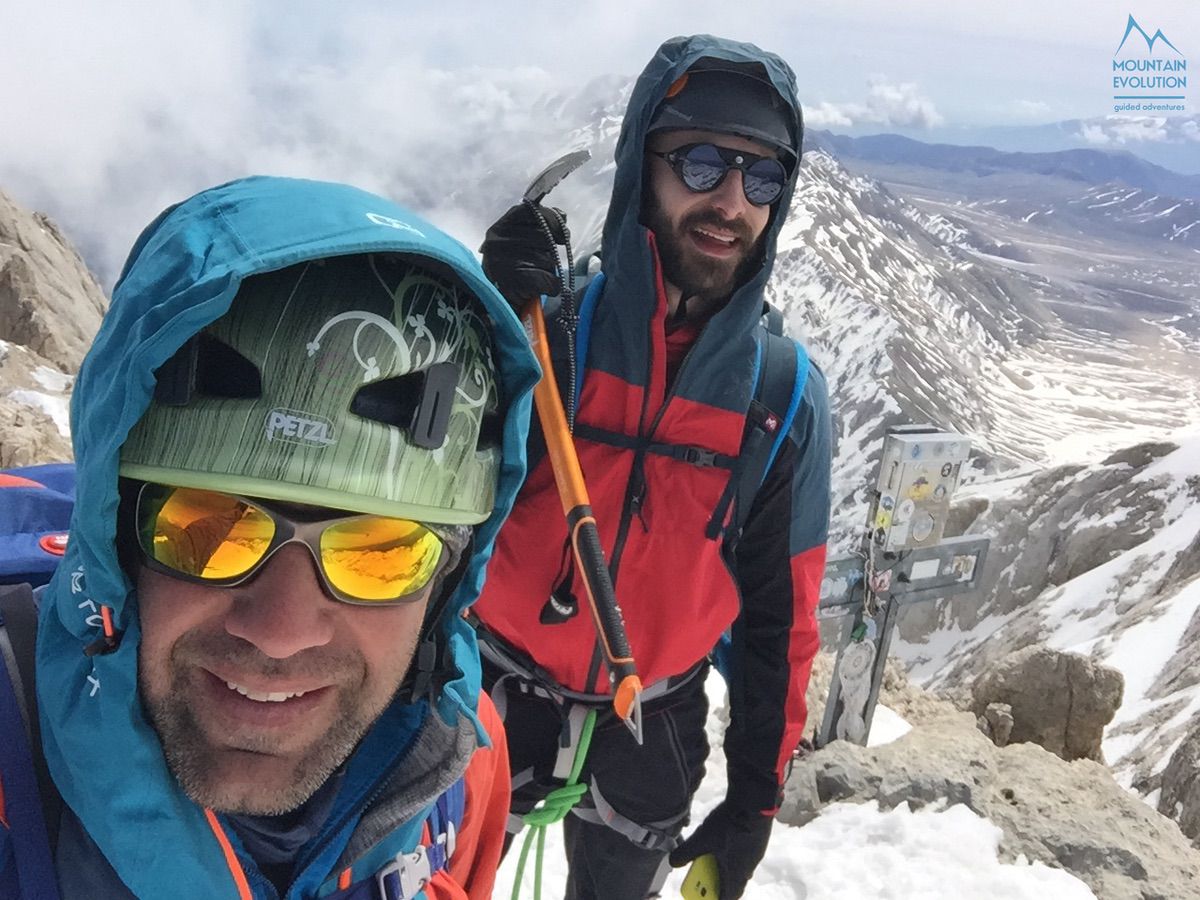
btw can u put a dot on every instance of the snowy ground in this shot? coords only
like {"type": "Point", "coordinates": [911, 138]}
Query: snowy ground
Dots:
{"type": "Point", "coordinates": [852, 851]}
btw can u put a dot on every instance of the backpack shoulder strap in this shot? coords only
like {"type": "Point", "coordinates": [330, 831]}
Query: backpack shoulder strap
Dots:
{"type": "Point", "coordinates": [403, 877]}
{"type": "Point", "coordinates": [445, 820]}
{"type": "Point", "coordinates": [18, 642]}
{"type": "Point", "coordinates": [782, 374]}
{"type": "Point", "coordinates": [774, 319]}
{"type": "Point", "coordinates": [27, 794]}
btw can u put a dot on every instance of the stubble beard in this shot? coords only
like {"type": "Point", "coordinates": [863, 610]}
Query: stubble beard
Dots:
{"type": "Point", "coordinates": [200, 767]}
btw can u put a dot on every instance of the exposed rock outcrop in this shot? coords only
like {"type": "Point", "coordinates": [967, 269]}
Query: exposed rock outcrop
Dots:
{"type": "Point", "coordinates": [1060, 701]}
{"type": "Point", "coordinates": [1100, 559]}
{"type": "Point", "coordinates": [1180, 797]}
{"type": "Point", "coordinates": [1067, 814]}
{"type": "Point", "coordinates": [49, 301]}
{"type": "Point", "coordinates": [34, 402]}
{"type": "Point", "coordinates": [50, 308]}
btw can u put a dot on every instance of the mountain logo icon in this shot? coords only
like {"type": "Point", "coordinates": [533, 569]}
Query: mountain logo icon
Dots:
{"type": "Point", "coordinates": [1133, 26]}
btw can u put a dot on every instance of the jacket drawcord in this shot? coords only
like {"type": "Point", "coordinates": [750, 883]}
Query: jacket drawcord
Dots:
{"type": "Point", "coordinates": [231, 860]}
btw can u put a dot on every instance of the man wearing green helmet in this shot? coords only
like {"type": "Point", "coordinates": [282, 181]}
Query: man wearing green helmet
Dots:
{"type": "Point", "coordinates": [296, 433]}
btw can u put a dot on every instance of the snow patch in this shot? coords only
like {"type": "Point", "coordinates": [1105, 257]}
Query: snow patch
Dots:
{"type": "Point", "coordinates": [859, 850]}
{"type": "Point", "coordinates": [52, 379]}
{"type": "Point", "coordinates": [886, 726]}
{"type": "Point", "coordinates": [57, 408]}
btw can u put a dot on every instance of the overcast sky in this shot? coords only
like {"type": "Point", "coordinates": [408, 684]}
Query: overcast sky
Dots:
{"type": "Point", "coordinates": [111, 110]}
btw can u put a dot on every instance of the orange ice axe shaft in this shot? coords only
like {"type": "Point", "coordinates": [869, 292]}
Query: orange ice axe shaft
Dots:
{"type": "Point", "coordinates": [585, 539]}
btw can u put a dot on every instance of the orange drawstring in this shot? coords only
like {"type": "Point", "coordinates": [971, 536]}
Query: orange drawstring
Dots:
{"type": "Point", "coordinates": [109, 641]}
{"type": "Point", "coordinates": [231, 860]}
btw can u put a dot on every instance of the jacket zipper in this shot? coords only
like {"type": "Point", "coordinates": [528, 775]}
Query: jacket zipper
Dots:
{"type": "Point", "coordinates": [376, 791]}
{"type": "Point", "coordinates": [635, 490]}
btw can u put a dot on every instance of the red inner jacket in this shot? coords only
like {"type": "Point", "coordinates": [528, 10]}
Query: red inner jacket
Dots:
{"type": "Point", "coordinates": [679, 590]}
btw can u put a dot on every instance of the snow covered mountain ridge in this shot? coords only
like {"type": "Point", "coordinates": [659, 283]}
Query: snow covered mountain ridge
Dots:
{"type": "Point", "coordinates": [1037, 319]}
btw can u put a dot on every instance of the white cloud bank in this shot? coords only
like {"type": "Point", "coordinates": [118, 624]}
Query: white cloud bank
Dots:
{"type": "Point", "coordinates": [1124, 130]}
{"type": "Point", "coordinates": [897, 104]}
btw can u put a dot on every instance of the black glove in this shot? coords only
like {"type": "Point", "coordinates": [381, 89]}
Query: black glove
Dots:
{"type": "Point", "coordinates": [518, 257]}
{"type": "Point", "coordinates": [738, 840]}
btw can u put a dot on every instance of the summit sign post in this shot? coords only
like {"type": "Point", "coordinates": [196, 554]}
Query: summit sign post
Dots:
{"type": "Point", "coordinates": [904, 559]}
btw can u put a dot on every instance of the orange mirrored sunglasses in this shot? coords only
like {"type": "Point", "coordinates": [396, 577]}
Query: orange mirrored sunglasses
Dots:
{"type": "Point", "coordinates": [222, 540]}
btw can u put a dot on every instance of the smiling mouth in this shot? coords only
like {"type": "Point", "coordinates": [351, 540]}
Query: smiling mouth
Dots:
{"type": "Point", "coordinates": [719, 238]}
{"type": "Point", "coordinates": [264, 696]}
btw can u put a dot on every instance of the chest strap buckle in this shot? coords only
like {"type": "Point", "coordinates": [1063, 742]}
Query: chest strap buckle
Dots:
{"type": "Point", "coordinates": [404, 876]}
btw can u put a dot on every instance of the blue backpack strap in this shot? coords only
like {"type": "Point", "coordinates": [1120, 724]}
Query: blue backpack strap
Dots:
{"type": "Point", "coordinates": [781, 389]}
{"type": "Point", "coordinates": [406, 875]}
{"type": "Point", "coordinates": [22, 796]}
{"type": "Point", "coordinates": [583, 333]}
{"type": "Point", "coordinates": [781, 371]}
{"type": "Point", "coordinates": [444, 821]}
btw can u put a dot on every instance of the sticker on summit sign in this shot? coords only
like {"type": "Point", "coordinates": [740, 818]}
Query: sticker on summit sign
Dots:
{"type": "Point", "coordinates": [293, 427]}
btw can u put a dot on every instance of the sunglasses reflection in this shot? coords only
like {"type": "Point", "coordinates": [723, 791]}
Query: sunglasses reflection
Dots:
{"type": "Point", "coordinates": [222, 539]}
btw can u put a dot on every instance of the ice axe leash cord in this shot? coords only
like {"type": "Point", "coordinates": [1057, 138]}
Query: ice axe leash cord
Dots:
{"type": "Point", "coordinates": [572, 491]}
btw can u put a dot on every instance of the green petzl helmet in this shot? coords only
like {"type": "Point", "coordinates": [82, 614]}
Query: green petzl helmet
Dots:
{"type": "Point", "coordinates": [363, 383]}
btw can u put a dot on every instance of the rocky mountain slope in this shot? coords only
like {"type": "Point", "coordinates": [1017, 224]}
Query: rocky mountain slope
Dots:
{"type": "Point", "coordinates": [917, 319]}
{"type": "Point", "coordinates": [1100, 559]}
{"type": "Point", "coordinates": [1067, 354]}
{"type": "Point", "coordinates": [1071, 815]}
{"type": "Point", "coordinates": [50, 306]}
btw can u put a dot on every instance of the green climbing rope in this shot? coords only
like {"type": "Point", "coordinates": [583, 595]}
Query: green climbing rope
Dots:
{"type": "Point", "coordinates": [552, 809]}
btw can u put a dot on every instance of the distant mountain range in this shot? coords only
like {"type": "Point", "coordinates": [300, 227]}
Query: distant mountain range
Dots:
{"type": "Point", "coordinates": [1091, 167]}
{"type": "Point", "coordinates": [1172, 142]}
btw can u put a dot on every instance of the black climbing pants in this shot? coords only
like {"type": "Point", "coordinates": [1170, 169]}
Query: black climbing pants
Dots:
{"type": "Point", "coordinates": [618, 837]}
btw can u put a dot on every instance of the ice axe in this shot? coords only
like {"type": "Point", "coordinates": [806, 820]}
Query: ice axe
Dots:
{"type": "Point", "coordinates": [572, 491]}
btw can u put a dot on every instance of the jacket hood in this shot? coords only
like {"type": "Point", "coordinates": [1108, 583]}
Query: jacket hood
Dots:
{"type": "Point", "coordinates": [627, 259]}
{"type": "Point", "coordinates": [181, 275]}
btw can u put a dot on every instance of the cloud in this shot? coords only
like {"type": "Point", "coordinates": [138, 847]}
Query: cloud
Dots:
{"type": "Point", "coordinates": [116, 111]}
{"type": "Point", "coordinates": [900, 104]}
{"type": "Point", "coordinates": [888, 103]}
{"type": "Point", "coordinates": [827, 115]}
{"type": "Point", "coordinates": [1094, 134]}
{"type": "Point", "coordinates": [131, 113]}
{"type": "Point", "coordinates": [1120, 130]}
{"type": "Point", "coordinates": [1031, 109]}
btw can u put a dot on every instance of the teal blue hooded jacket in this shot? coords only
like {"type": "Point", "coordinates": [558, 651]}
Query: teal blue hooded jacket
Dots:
{"type": "Point", "coordinates": [104, 756]}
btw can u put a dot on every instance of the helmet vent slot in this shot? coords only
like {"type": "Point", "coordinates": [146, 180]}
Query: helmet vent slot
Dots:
{"type": "Point", "coordinates": [205, 365]}
{"type": "Point", "coordinates": [222, 371]}
{"type": "Point", "coordinates": [391, 401]}
{"type": "Point", "coordinates": [491, 430]}
{"type": "Point", "coordinates": [419, 402]}
{"type": "Point", "coordinates": [437, 396]}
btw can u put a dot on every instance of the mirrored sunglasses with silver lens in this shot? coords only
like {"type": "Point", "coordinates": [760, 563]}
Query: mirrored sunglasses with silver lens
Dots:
{"type": "Point", "coordinates": [702, 168]}
{"type": "Point", "coordinates": [223, 540]}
